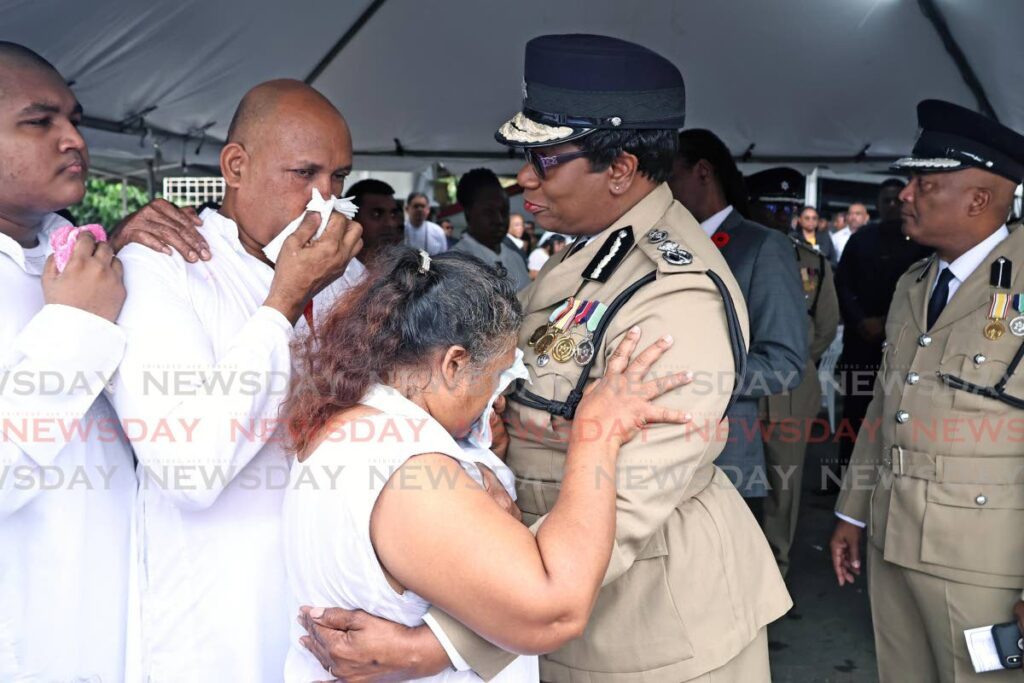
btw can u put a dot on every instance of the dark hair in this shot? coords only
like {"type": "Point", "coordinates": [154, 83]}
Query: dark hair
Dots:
{"type": "Point", "coordinates": [805, 207]}
{"type": "Point", "coordinates": [392, 320]}
{"type": "Point", "coordinates": [698, 143]}
{"type": "Point", "coordinates": [369, 186]}
{"type": "Point", "coordinates": [654, 150]}
{"type": "Point", "coordinates": [892, 182]}
{"type": "Point", "coordinates": [414, 195]}
{"type": "Point", "coordinates": [472, 182]}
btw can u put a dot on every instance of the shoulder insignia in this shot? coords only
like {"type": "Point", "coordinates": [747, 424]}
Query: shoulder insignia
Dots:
{"type": "Point", "coordinates": [924, 264]}
{"type": "Point", "coordinates": [610, 255]}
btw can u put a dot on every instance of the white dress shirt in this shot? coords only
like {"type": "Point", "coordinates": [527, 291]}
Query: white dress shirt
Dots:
{"type": "Point", "coordinates": [839, 240]}
{"type": "Point", "coordinates": [961, 268]}
{"type": "Point", "coordinates": [206, 369]}
{"type": "Point", "coordinates": [429, 237]}
{"type": "Point", "coordinates": [969, 261]}
{"type": "Point", "coordinates": [511, 260]}
{"type": "Point", "coordinates": [713, 223]}
{"type": "Point", "coordinates": [66, 483]}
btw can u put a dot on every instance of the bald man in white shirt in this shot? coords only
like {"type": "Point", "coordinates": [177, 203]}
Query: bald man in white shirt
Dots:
{"type": "Point", "coordinates": [208, 359]}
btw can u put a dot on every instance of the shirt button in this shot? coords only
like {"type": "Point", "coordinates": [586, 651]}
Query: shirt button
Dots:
{"type": "Point", "coordinates": [979, 359]}
{"type": "Point", "coordinates": [981, 499]}
{"type": "Point", "coordinates": [924, 340]}
{"type": "Point", "coordinates": [913, 378]}
{"type": "Point", "coordinates": [902, 416]}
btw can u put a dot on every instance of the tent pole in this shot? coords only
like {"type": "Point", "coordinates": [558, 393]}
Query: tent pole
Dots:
{"type": "Point", "coordinates": [934, 15]}
{"type": "Point", "coordinates": [345, 39]}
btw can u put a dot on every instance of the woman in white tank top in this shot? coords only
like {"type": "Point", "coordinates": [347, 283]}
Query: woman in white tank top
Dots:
{"type": "Point", "coordinates": [387, 514]}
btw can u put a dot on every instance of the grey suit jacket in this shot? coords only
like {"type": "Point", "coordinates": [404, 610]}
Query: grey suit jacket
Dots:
{"type": "Point", "coordinates": [762, 261]}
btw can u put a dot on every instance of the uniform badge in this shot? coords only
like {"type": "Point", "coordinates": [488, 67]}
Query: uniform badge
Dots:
{"type": "Point", "coordinates": [1002, 273]}
{"type": "Point", "coordinates": [655, 236]}
{"type": "Point", "coordinates": [674, 254]}
{"type": "Point", "coordinates": [609, 256]}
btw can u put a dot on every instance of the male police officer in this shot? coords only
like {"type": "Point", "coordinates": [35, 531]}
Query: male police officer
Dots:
{"type": "Point", "coordinates": [941, 484]}
{"type": "Point", "coordinates": [691, 583]}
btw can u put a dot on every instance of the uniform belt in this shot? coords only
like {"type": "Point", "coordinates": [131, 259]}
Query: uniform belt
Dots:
{"type": "Point", "coordinates": [538, 497]}
{"type": "Point", "coordinates": [956, 470]}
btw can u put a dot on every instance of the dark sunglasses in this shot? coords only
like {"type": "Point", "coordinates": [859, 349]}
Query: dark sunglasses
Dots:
{"type": "Point", "coordinates": [542, 163]}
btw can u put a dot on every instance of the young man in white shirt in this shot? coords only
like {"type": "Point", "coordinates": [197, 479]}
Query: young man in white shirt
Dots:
{"type": "Point", "coordinates": [208, 362]}
{"type": "Point", "coordinates": [419, 232]}
{"type": "Point", "coordinates": [67, 482]}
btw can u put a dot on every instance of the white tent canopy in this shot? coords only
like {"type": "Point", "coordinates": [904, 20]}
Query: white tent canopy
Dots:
{"type": "Point", "coordinates": [803, 82]}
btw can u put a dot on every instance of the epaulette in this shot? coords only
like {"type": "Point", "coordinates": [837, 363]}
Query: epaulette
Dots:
{"type": "Point", "coordinates": [668, 251]}
{"type": "Point", "coordinates": [923, 264]}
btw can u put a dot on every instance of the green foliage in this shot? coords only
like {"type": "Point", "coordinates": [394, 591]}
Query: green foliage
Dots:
{"type": "Point", "coordinates": [102, 203]}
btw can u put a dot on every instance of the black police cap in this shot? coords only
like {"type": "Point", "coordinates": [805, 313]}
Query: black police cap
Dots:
{"type": "Point", "coordinates": [575, 84]}
{"type": "Point", "coordinates": [780, 185]}
{"type": "Point", "coordinates": [954, 138]}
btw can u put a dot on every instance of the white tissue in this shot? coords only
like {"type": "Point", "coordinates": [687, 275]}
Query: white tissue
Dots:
{"type": "Point", "coordinates": [322, 206]}
{"type": "Point", "coordinates": [478, 443]}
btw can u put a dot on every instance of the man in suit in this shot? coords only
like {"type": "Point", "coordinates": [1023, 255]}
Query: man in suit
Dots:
{"type": "Point", "coordinates": [941, 487]}
{"type": "Point", "coordinates": [706, 181]}
{"type": "Point", "coordinates": [788, 416]}
{"type": "Point", "coordinates": [682, 600]}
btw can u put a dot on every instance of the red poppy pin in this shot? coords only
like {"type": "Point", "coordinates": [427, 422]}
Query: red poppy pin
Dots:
{"type": "Point", "coordinates": [721, 239]}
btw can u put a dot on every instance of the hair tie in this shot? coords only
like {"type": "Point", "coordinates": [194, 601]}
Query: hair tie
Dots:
{"type": "Point", "coordinates": [424, 262]}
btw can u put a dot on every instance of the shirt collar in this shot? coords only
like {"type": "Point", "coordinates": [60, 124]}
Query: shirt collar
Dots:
{"type": "Point", "coordinates": [16, 252]}
{"type": "Point", "coordinates": [969, 261]}
{"type": "Point", "coordinates": [223, 226]}
{"type": "Point", "coordinates": [712, 224]}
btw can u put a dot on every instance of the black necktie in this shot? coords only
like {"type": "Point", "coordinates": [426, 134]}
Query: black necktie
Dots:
{"type": "Point", "coordinates": [939, 296]}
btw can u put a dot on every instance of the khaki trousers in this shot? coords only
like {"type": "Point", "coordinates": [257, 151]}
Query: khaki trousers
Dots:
{"type": "Point", "coordinates": [784, 459]}
{"type": "Point", "coordinates": [919, 623]}
{"type": "Point", "coordinates": [749, 666]}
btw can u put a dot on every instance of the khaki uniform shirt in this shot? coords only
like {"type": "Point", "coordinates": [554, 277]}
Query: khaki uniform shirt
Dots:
{"type": "Point", "coordinates": [938, 472]}
{"type": "Point", "coordinates": [691, 579]}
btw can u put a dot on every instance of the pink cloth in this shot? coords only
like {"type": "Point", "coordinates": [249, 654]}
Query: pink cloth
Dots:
{"type": "Point", "coordinates": [62, 241]}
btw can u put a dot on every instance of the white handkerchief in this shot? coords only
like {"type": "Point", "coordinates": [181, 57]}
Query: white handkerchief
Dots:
{"type": "Point", "coordinates": [322, 206]}
{"type": "Point", "coordinates": [478, 443]}
{"type": "Point", "coordinates": [982, 647]}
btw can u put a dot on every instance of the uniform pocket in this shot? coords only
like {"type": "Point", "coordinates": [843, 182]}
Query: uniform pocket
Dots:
{"type": "Point", "coordinates": [635, 625]}
{"type": "Point", "coordinates": [975, 527]}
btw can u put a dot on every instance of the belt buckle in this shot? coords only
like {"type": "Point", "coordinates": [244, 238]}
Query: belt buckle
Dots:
{"type": "Point", "coordinates": [896, 455]}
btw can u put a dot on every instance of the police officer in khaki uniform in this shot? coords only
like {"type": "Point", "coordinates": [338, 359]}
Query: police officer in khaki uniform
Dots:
{"type": "Point", "coordinates": [788, 416]}
{"type": "Point", "coordinates": [691, 583]}
{"type": "Point", "coordinates": [940, 484]}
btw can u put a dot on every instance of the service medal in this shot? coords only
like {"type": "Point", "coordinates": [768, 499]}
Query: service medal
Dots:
{"type": "Point", "coordinates": [994, 330]}
{"type": "Point", "coordinates": [544, 343]}
{"type": "Point", "coordinates": [1017, 324]}
{"type": "Point", "coordinates": [584, 352]}
{"type": "Point", "coordinates": [996, 313]}
{"type": "Point", "coordinates": [537, 334]}
{"type": "Point", "coordinates": [564, 349]}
